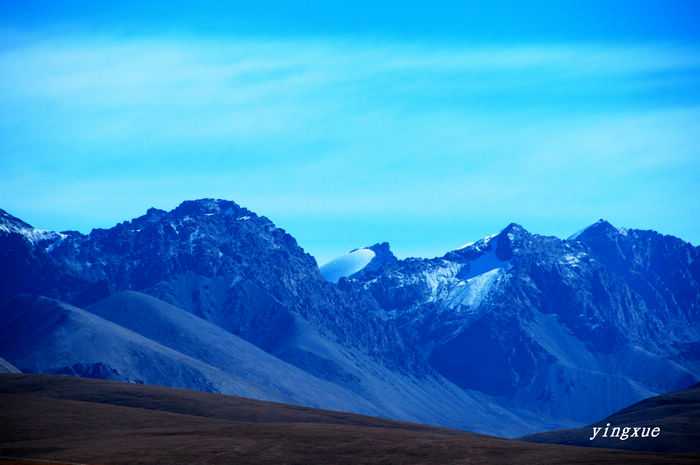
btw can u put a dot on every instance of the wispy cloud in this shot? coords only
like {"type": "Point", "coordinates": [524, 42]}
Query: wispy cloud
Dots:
{"type": "Point", "coordinates": [199, 72]}
{"type": "Point", "coordinates": [333, 127]}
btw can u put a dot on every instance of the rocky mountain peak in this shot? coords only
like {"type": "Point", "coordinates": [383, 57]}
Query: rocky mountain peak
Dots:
{"type": "Point", "coordinates": [600, 228]}
{"type": "Point", "coordinates": [383, 256]}
{"type": "Point", "coordinates": [206, 206]}
{"type": "Point", "coordinates": [514, 229]}
{"type": "Point", "coordinates": [383, 253]}
{"type": "Point", "coordinates": [512, 238]}
{"type": "Point", "coordinates": [155, 213]}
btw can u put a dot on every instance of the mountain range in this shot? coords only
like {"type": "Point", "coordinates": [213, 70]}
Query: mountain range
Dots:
{"type": "Point", "coordinates": [509, 335]}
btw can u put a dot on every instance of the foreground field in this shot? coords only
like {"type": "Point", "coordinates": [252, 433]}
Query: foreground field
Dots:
{"type": "Point", "coordinates": [100, 422]}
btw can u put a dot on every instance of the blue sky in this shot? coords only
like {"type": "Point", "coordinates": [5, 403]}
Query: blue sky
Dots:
{"type": "Point", "coordinates": [427, 126]}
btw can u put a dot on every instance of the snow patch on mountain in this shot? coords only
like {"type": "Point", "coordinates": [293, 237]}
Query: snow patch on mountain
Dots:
{"type": "Point", "coordinates": [439, 280]}
{"type": "Point", "coordinates": [471, 292]}
{"type": "Point", "coordinates": [481, 243]}
{"type": "Point", "coordinates": [347, 264]}
{"type": "Point", "coordinates": [573, 260]}
{"type": "Point", "coordinates": [464, 285]}
{"type": "Point", "coordinates": [9, 224]}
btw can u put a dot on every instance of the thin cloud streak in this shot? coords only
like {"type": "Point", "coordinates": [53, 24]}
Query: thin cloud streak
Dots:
{"type": "Point", "coordinates": [338, 129]}
{"type": "Point", "coordinates": [131, 71]}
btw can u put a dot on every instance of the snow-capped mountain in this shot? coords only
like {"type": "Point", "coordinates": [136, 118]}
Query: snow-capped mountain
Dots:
{"type": "Point", "coordinates": [347, 264]}
{"type": "Point", "coordinates": [510, 334]}
{"type": "Point", "coordinates": [364, 260]}
{"type": "Point", "coordinates": [566, 327]}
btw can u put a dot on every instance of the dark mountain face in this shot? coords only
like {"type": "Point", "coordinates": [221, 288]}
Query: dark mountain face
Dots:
{"type": "Point", "coordinates": [663, 272]}
{"type": "Point", "coordinates": [555, 332]}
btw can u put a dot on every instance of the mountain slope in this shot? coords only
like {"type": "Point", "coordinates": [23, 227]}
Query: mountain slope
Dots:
{"type": "Point", "coordinates": [133, 337]}
{"type": "Point", "coordinates": [676, 414]}
{"type": "Point", "coordinates": [206, 342]}
{"type": "Point", "coordinates": [41, 335]}
{"type": "Point", "coordinates": [371, 388]}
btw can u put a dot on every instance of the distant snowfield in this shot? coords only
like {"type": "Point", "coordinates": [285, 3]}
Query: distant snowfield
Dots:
{"type": "Point", "coordinates": [462, 289]}
{"type": "Point", "coordinates": [347, 264]}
